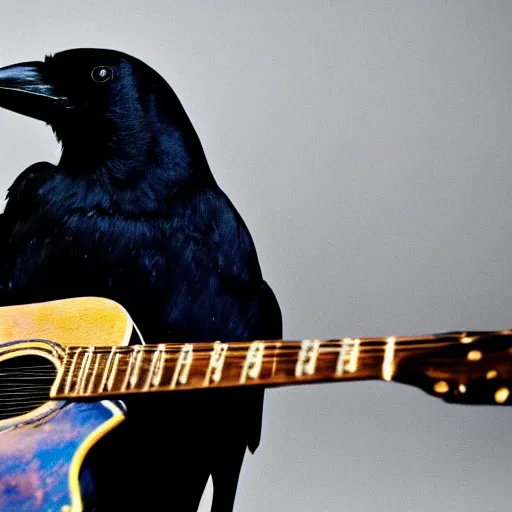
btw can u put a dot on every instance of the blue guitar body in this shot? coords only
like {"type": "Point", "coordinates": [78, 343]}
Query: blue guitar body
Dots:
{"type": "Point", "coordinates": [43, 442]}
{"type": "Point", "coordinates": [40, 460]}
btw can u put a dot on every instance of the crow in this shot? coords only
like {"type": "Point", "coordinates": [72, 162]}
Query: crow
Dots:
{"type": "Point", "coordinates": [132, 212]}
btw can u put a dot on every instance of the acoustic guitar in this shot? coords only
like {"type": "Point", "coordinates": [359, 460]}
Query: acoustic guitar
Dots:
{"type": "Point", "coordinates": [65, 366]}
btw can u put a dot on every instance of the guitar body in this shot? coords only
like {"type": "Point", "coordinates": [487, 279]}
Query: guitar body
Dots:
{"type": "Point", "coordinates": [40, 460]}
{"type": "Point", "coordinates": [42, 450]}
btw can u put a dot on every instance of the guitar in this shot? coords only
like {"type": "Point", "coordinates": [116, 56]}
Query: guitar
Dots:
{"type": "Point", "coordinates": [65, 366]}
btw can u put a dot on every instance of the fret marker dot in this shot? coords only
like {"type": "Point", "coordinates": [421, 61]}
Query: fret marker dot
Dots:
{"type": "Point", "coordinates": [441, 387]}
{"type": "Point", "coordinates": [474, 355]}
{"type": "Point", "coordinates": [501, 395]}
{"type": "Point", "coordinates": [491, 374]}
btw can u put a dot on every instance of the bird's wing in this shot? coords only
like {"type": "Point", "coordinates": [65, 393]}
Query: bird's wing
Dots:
{"type": "Point", "coordinates": [22, 195]}
{"type": "Point", "coordinates": [269, 327]}
{"type": "Point", "coordinates": [264, 323]}
{"type": "Point", "coordinates": [19, 212]}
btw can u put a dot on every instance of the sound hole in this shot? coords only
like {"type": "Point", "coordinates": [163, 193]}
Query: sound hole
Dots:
{"type": "Point", "coordinates": [25, 383]}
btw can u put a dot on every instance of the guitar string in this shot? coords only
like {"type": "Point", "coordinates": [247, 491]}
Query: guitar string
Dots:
{"type": "Point", "coordinates": [29, 386]}
{"type": "Point", "coordinates": [27, 373]}
{"type": "Point", "coordinates": [286, 360]}
{"type": "Point", "coordinates": [38, 396]}
{"type": "Point", "coordinates": [44, 372]}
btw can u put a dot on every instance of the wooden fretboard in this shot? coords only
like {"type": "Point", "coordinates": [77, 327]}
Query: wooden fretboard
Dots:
{"type": "Point", "coordinates": [100, 371]}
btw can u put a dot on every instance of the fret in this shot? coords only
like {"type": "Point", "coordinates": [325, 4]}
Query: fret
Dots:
{"type": "Point", "coordinates": [128, 371]}
{"type": "Point", "coordinates": [354, 356]}
{"type": "Point", "coordinates": [275, 358]}
{"type": "Point", "coordinates": [94, 373]}
{"type": "Point", "coordinates": [113, 370]}
{"type": "Point", "coordinates": [69, 379]}
{"type": "Point", "coordinates": [106, 370]}
{"type": "Point", "coordinates": [186, 357]}
{"type": "Point", "coordinates": [253, 361]}
{"type": "Point", "coordinates": [222, 349]}
{"type": "Point", "coordinates": [348, 356]}
{"type": "Point", "coordinates": [156, 368]}
{"type": "Point", "coordinates": [308, 355]}
{"type": "Point", "coordinates": [84, 370]}
{"type": "Point", "coordinates": [216, 364]}
{"type": "Point", "coordinates": [138, 364]}
{"type": "Point", "coordinates": [132, 373]}
{"type": "Point", "coordinates": [183, 364]}
{"type": "Point", "coordinates": [160, 365]}
{"type": "Point", "coordinates": [388, 362]}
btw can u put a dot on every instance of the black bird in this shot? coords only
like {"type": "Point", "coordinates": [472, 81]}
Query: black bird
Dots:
{"type": "Point", "coordinates": [132, 212]}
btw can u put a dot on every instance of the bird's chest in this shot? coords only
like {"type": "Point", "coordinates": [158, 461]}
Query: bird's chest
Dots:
{"type": "Point", "coordinates": [77, 255]}
{"type": "Point", "coordinates": [178, 276]}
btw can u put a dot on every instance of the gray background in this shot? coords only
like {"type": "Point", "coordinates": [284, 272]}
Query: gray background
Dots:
{"type": "Point", "coordinates": [367, 146]}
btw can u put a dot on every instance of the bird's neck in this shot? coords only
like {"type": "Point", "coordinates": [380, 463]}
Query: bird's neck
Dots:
{"type": "Point", "coordinates": [136, 156]}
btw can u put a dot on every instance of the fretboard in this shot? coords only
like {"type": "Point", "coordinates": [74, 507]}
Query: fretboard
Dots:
{"type": "Point", "coordinates": [97, 371]}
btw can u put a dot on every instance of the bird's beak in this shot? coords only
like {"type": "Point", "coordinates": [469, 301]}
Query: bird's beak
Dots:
{"type": "Point", "coordinates": [23, 89]}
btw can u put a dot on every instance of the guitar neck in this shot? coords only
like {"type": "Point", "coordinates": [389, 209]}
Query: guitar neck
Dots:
{"type": "Point", "coordinates": [98, 371]}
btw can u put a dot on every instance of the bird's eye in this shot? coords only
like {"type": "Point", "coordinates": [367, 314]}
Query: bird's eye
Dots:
{"type": "Point", "coordinates": [102, 73]}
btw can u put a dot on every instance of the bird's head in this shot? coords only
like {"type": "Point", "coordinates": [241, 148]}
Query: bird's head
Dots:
{"type": "Point", "coordinates": [100, 102]}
